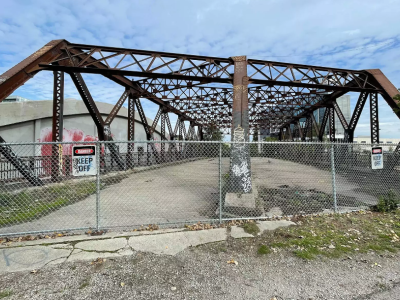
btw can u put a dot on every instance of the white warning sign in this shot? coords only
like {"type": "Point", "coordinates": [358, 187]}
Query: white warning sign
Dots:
{"type": "Point", "coordinates": [376, 158]}
{"type": "Point", "coordinates": [84, 160]}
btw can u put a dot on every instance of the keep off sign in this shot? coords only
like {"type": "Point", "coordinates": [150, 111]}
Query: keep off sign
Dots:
{"type": "Point", "coordinates": [377, 158]}
{"type": "Point", "coordinates": [84, 160]}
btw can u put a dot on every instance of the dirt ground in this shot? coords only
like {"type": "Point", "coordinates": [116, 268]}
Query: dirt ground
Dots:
{"type": "Point", "coordinates": [203, 273]}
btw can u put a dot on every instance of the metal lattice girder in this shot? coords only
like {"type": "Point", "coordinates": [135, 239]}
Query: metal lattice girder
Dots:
{"type": "Point", "coordinates": [117, 107]}
{"type": "Point", "coordinates": [143, 118]}
{"type": "Point", "coordinates": [374, 119]}
{"type": "Point", "coordinates": [323, 124]}
{"type": "Point", "coordinates": [163, 136]}
{"type": "Point", "coordinates": [146, 127]}
{"type": "Point", "coordinates": [90, 104]}
{"type": "Point", "coordinates": [332, 130]}
{"type": "Point", "coordinates": [78, 56]}
{"type": "Point", "coordinates": [18, 164]}
{"type": "Point", "coordinates": [279, 93]}
{"type": "Point", "coordinates": [171, 132]}
{"type": "Point", "coordinates": [315, 125]}
{"type": "Point", "coordinates": [156, 119]}
{"type": "Point", "coordinates": [103, 130]}
{"type": "Point", "coordinates": [340, 115]}
{"type": "Point", "coordinates": [358, 110]}
{"type": "Point", "coordinates": [57, 126]}
{"type": "Point", "coordinates": [131, 130]}
{"type": "Point", "coordinates": [153, 64]}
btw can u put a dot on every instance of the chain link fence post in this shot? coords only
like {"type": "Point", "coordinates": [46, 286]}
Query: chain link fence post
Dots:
{"type": "Point", "coordinates": [220, 182]}
{"type": "Point", "coordinates": [333, 178]}
{"type": "Point", "coordinates": [98, 151]}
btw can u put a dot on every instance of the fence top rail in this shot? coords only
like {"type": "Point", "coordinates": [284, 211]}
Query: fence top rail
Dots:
{"type": "Point", "coordinates": [93, 143]}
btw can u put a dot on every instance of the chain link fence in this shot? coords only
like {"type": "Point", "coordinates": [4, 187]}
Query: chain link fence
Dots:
{"type": "Point", "coordinates": [171, 183]}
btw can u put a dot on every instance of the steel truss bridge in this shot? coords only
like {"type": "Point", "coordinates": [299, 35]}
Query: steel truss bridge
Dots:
{"type": "Point", "coordinates": [203, 90]}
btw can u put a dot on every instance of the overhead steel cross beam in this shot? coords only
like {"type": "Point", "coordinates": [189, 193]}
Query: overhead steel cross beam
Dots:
{"type": "Point", "coordinates": [76, 55]}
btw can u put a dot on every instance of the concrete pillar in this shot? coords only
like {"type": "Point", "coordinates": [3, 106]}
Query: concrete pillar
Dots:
{"type": "Point", "coordinates": [240, 169]}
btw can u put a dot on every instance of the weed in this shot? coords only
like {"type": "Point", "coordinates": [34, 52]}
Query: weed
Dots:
{"type": "Point", "coordinates": [84, 283]}
{"type": "Point", "coordinates": [251, 228]}
{"type": "Point", "coordinates": [263, 250]}
{"type": "Point", "coordinates": [388, 202]}
{"type": "Point", "coordinates": [6, 293]}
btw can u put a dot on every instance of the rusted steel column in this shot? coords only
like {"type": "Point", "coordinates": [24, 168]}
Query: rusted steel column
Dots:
{"type": "Point", "coordinates": [332, 130]}
{"type": "Point", "coordinates": [240, 107]}
{"type": "Point", "coordinates": [374, 120]}
{"type": "Point", "coordinates": [163, 135]}
{"type": "Point", "coordinates": [131, 131]}
{"type": "Point", "coordinates": [57, 126]}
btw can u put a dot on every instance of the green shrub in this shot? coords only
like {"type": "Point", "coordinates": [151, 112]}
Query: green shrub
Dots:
{"type": "Point", "coordinates": [388, 202]}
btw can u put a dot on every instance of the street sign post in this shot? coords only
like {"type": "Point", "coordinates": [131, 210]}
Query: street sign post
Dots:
{"type": "Point", "coordinates": [84, 161]}
{"type": "Point", "coordinates": [376, 158]}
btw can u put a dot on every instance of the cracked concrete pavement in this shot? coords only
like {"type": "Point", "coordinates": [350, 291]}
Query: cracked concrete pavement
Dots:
{"type": "Point", "coordinates": [33, 255]}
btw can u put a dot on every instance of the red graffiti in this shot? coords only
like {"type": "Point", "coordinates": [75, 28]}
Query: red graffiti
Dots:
{"type": "Point", "coordinates": [75, 136]}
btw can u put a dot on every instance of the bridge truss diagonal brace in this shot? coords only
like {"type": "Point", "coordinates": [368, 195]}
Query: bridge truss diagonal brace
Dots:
{"type": "Point", "coordinates": [147, 129]}
{"type": "Point", "coordinates": [18, 164]}
{"type": "Point", "coordinates": [90, 104]}
{"type": "Point", "coordinates": [117, 107]}
{"type": "Point", "coordinates": [323, 123]}
{"type": "Point", "coordinates": [315, 125]}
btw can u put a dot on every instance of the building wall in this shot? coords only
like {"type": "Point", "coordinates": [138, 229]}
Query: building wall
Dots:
{"type": "Point", "coordinates": [31, 121]}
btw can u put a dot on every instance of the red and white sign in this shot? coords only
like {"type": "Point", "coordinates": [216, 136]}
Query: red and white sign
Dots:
{"type": "Point", "coordinates": [84, 151]}
{"type": "Point", "coordinates": [84, 160]}
{"type": "Point", "coordinates": [376, 158]}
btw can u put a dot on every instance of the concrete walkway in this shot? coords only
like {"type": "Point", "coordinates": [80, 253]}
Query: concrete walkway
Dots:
{"type": "Point", "coordinates": [33, 255]}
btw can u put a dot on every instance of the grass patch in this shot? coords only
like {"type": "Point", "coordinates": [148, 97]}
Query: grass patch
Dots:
{"type": "Point", "coordinates": [338, 235]}
{"type": "Point", "coordinates": [262, 250]}
{"type": "Point", "coordinates": [31, 204]}
{"type": "Point", "coordinates": [251, 228]}
{"type": "Point", "coordinates": [84, 283]}
{"type": "Point", "coordinates": [4, 294]}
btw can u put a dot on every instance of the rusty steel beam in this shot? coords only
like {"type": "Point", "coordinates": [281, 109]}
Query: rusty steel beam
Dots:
{"type": "Point", "coordinates": [26, 69]}
{"type": "Point", "coordinates": [323, 124]}
{"type": "Point", "coordinates": [57, 124]}
{"type": "Point", "coordinates": [340, 115]}
{"type": "Point", "coordinates": [315, 124]}
{"type": "Point", "coordinates": [90, 104]}
{"type": "Point", "coordinates": [357, 110]}
{"type": "Point", "coordinates": [117, 107]}
{"type": "Point", "coordinates": [131, 130]}
{"type": "Point", "coordinates": [332, 130]}
{"type": "Point", "coordinates": [18, 164]}
{"type": "Point", "coordinates": [374, 118]}
{"type": "Point", "coordinates": [279, 93]}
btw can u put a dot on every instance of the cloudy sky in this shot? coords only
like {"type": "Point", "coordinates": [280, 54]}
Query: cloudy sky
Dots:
{"type": "Point", "coordinates": [352, 34]}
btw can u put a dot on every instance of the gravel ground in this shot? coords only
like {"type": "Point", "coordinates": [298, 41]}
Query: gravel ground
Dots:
{"type": "Point", "coordinates": [203, 273]}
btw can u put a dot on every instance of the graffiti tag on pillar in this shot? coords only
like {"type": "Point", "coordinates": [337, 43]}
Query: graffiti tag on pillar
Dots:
{"type": "Point", "coordinates": [241, 167]}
